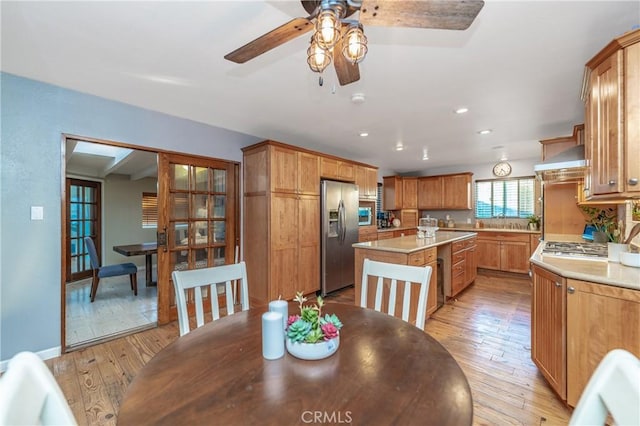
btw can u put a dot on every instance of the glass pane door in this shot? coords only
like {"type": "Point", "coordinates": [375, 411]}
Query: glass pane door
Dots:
{"type": "Point", "coordinates": [83, 213]}
{"type": "Point", "coordinates": [200, 217]}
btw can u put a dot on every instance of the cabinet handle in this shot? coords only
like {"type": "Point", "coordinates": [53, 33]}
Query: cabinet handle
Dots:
{"type": "Point", "coordinates": [558, 284]}
{"type": "Point", "coordinates": [612, 182]}
{"type": "Point", "coordinates": [633, 181]}
{"type": "Point", "coordinates": [571, 290]}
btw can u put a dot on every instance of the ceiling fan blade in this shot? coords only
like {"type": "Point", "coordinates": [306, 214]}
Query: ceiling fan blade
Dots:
{"type": "Point", "coordinates": [347, 72]}
{"type": "Point", "coordinates": [268, 41]}
{"type": "Point", "coordinates": [438, 14]}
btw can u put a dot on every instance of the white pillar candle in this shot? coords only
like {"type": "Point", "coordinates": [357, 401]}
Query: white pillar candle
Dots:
{"type": "Point", "coordinates": [281, 306]}
{"type": "Point", "coordinates": [272, 335]}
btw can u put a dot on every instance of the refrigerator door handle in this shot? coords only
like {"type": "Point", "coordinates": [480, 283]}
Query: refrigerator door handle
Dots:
{"type": "Point", "coordinates": [341, 218]}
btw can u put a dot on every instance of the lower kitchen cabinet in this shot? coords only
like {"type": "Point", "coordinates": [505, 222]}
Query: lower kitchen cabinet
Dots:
{"type": "Point", "coordinates": [504, 251]}
{"type": "Point", "coordinates": [574, 324]}
{"type": "Point", "coordinates": [548, 327]}
{"type": "Point", "coordinates": [599, 318]}
{"type": "Point", "coordinates": [463, 264]}
{"type": "Point", "coordinates": [367, 233]}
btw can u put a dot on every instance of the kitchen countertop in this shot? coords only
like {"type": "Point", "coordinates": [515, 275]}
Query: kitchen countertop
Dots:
{"type": "Point", "coordinates": [410, 244]}
{"type": "Point", "coordinates": [597, 271]}
{"type": "Point", "coordinates": [466, 229]}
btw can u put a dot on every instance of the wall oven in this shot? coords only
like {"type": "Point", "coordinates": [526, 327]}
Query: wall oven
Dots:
{"type": "Point", "coordinates": [365, 216]}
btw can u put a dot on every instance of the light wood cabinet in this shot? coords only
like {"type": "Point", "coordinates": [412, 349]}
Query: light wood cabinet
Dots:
{"type": "Point", "coordinates": [367, 233]}
{"type": "Point", "coordinates": [409, 193]}
{"type": "Point", "coordinates": [457, 192]}
{"type": "Point", "coordinates": [445, 192]}
{"type": "Point", "coordinates": [367, 181]}
{"type": "Point", "coordinates": [332, 168]}
{"type": "Point", "coordinates": [503, 251]}
{"type": "Point", "coordinates": [599, 318]}
{"type": "Point", "coordinates": [430, 193]}
{"type": "Point", "coordinates": [392, 193]}
{"type": "Point", "coordinates": [282, 221]}
{"type": "Point", "coordinates": [548, 327]}
{"type": "Point", "coordinates": [613, 120]}
{"type": "Point", "coordinates": [463, 264]}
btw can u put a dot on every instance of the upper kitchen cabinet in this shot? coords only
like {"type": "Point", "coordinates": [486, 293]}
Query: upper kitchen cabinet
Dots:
{"type": "Point", "coordinates": [392, 193]}
{"type": "Point", "coordinates": [446, 192]}
{"type": "Point", "coordinates": [367, 181]}
{"type": "Point", "coordinates": [400, 193]}
{"type": "Point", "coordinates": [332, 168]}
{"type": "Point", "coordinates": [612, 119]}
{"type": "Point", "coordinates": [293, 171]}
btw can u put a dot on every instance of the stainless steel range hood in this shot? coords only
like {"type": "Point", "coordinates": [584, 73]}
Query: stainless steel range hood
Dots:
{"type": "Point", "coordinates": [567, 166]}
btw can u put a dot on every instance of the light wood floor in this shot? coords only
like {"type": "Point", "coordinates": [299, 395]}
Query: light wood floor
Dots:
{"type": "Point", "coordinates": [486, 329]}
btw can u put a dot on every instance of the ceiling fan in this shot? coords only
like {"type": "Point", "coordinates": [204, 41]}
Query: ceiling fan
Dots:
{"type": "Point", "coordinates": [340, 38]}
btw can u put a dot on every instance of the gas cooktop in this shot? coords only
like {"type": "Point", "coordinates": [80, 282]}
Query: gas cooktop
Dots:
{"type": "Point", "coordinates": [594, 251]}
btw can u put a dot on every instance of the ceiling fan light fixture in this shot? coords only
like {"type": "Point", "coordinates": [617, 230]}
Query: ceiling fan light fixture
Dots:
{"type": "Point", "coordinates": [327, 28]}
{"type": "Point", "coordinates": [354, 47]}
{"type": "Point", "coordinates": [317, 57]}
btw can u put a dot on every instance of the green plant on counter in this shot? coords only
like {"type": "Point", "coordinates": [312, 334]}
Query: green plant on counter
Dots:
{"type": "Point", "coordinates": [534, 219]}
{"type": "Point", "coordinates": [604, 220]}
{"type": "Point", "coordinates": [635, 211]}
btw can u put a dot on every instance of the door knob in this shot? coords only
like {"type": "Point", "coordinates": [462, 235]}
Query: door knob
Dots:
{"type": "Point", "coordinates": [633, 181]}
{"type": "Point", "coordinates": [571, 290]}
{"type": "Point", "coordinates": [612, 182]}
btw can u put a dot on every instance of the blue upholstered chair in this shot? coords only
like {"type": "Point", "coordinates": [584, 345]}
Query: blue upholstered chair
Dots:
{"type": "Point", "coordinates": [109, 270]}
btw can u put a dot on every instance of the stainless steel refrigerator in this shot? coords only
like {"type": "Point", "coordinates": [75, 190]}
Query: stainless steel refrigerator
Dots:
{"type": "Point", "coordinates": [339, 230]}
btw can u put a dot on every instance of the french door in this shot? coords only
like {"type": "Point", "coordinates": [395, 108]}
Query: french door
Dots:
{"type": "Point", "coordinates": [198, 219]}
{"type": "Point", "coordinates": [83, 220]}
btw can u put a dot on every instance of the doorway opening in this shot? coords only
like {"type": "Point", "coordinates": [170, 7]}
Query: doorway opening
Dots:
{"type": "Point", "coordinates": [104, 191]}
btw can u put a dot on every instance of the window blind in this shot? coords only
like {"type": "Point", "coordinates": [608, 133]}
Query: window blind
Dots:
{"type": "Point", "coordinates": [149, 210]}
{"type": "Point", "coordinates": [508, 198]}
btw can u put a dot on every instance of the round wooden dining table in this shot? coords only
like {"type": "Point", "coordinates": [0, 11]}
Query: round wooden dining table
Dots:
{"type": "Point", "coordinates": [386, 371]}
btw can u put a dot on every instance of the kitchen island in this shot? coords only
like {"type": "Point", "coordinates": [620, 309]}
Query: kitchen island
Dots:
{"type": "Point", "coordinates": [458, 266]}
{"type": "Point", "coordinates": [580, 310]}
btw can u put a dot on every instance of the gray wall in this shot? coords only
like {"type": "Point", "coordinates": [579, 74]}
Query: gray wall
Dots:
{"type": "Point", "coordinates": [33, 117]}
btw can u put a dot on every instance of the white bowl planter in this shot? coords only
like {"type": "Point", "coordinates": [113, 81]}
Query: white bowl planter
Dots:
{"type": "Point", "coordinates": [313, 351]}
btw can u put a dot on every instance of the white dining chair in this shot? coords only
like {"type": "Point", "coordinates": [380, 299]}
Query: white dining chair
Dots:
{"type": "Point", "coordinates": [614, 388]}
{"type": "Point", "coordinates": [413, 276]}
{"type": "Point", "coordinates": [30, 395]}
{"type": "Point", "coordinates": [208, 279]}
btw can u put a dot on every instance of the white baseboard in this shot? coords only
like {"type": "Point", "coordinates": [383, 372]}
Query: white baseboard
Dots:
{"type": "Point", "coordinates": [44, 355]}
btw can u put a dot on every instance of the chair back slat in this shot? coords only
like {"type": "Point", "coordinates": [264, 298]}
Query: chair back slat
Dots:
{"type": "Point", "coordinates": [209, 278]}
{"type": "Point", "coordinates": [390, 274]}
{"type": "Point", "coordinates": [614, 388]}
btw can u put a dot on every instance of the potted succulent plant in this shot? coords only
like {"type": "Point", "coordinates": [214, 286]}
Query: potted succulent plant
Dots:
{"type": "Point", "coordinates": [309, 335]}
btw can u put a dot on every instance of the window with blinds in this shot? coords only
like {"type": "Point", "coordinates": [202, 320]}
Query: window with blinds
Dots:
{"type": "Point", "coordinates": [505, 198]}
{"type": "Point", "coordinates": [149, 210]}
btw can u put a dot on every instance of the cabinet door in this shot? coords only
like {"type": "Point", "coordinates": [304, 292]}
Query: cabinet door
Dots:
{"type": "Point", "coordinates": [392, 194]}
{"type": "Point", "coordinates": [409, 193]}
{"type": "Point", "coordinates": [548, 339]}
{"type": "Point", "coordinates": [514, 256]}
{"type": "Point", "coordinates": [328, 168]}
{"type": "Point", "coordinates": [488, 254]}
{"type": "Point", "coordinates": [284, 169]}
{"type": "Point", "coordinates": [471, 265]}
{"type": "Point", "coordinates": [632, 118]}
{"type": "Point", "coordinates": [599, 319]}
{"type": "Point", "coordinates": [430, 193]}
{"type": "Point", "coordinates": [308, 244]}
{"type": "Point", "coordinates": [372, 183]}
{"type": "Point", "coordinates": [456, 192]}
{"type": "Point", "coordinates": [346, 171]}
{"type": "Point", "coordinates": [308, 174]}
{"type": "Point", "coordinates": [606, 126]}
{"type": "Point", "coordinates": [283, 260]}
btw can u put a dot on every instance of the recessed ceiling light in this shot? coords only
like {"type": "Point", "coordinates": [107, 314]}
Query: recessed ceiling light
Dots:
{"type": "Point", "coordinates": [357, 98]}
{"type": "Point", "coordinates": [485, 131]}
{"type": "Point", "coordinates": [425, 155]}
{"type": "Point", "coordinates": [364, 134]}
{"type": "Point", "coordinates": [399, 146]}
{"type": "Point", "coordinates": [461, 110]}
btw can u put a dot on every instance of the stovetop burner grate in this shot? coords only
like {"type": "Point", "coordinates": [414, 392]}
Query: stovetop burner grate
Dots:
{"type": "Point", "coordinates": [569, 249]}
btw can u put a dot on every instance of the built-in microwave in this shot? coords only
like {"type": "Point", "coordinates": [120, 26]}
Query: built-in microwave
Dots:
{"type": "Point", "coordinates": [365, 216]}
